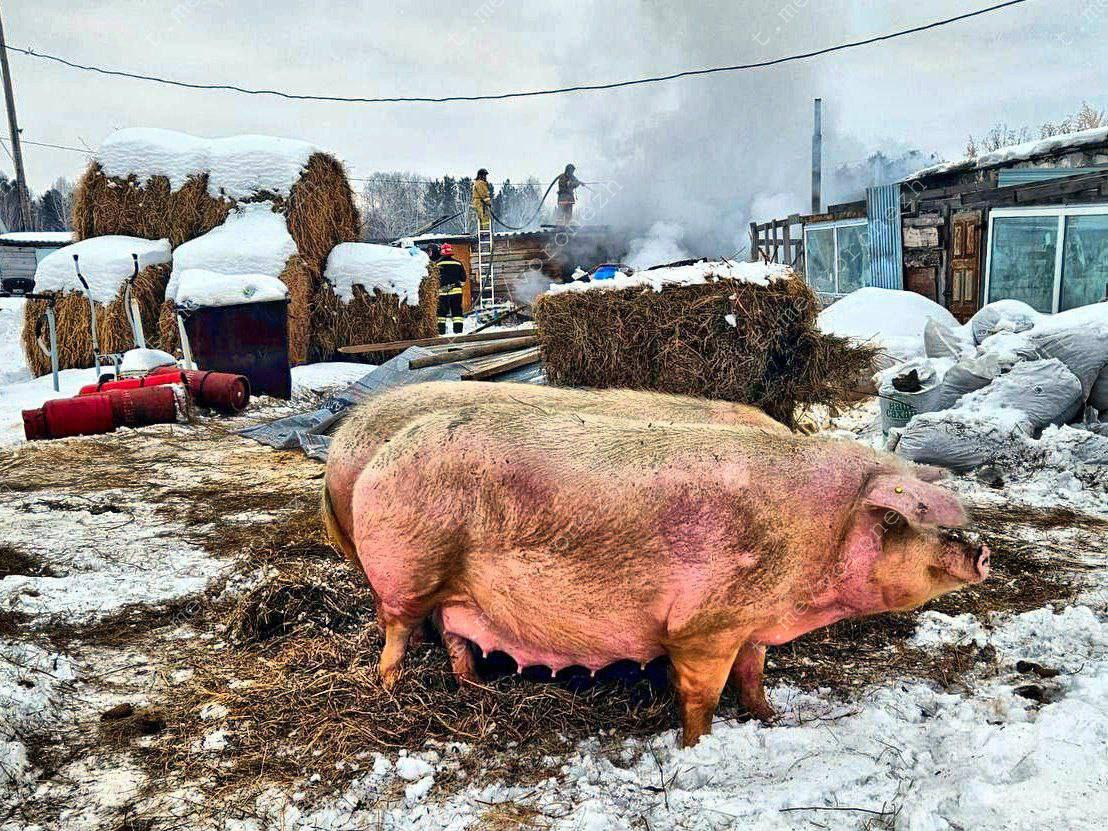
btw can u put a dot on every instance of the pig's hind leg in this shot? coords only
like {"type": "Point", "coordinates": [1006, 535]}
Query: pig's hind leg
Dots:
{"type": "Point", "coordinates": [699, 676]}
{"type": "Point", "coordinates": [747, 675]}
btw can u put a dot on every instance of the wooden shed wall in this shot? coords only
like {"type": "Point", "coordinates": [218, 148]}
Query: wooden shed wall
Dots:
{"type": "Point", "coordinates": [17, 261]}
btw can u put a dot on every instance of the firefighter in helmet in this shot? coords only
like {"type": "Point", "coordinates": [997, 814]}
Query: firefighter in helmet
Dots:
{"type": "Point", "coordinates": [481, 199]}
{"type": "Point", "coordinates": [452, 279]}
{"type": "Point", "coordinates": [567, 184]}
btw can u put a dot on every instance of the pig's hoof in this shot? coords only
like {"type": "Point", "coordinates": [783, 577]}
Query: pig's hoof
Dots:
{"type": "Point", "coordinates": [762, 712]}
{"type": "Point", "coordinates": [389, 677]}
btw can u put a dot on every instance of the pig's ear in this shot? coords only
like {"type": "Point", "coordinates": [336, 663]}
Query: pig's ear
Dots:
{"type": "Point", "coordinates": [919, 502]}
{"type": "Point", "coordinates": [930, 473]}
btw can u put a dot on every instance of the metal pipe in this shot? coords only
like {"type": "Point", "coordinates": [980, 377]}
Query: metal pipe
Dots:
{"type": "Point", "coordinates": [52, 325]}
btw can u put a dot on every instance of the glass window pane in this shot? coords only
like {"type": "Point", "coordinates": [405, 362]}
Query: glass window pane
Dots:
{"type": "Point", "coordinates": [1023, 260]}
{"type": "Point", "coordinates": [854, 258]}
{"type": "Point", "coordinates": [1084, 261]}
{"type": "Point", "coordinates": [819, 259]}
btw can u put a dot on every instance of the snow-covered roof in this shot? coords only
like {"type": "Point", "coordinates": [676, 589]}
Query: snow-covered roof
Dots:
{"type": "Point", "coordinates": [33, 238]}
{"type": "Point", "coordinates": [683, 275]}
{"type": "Point", "coordinates": [238, 166]}
{"type": "Point", "coordinates": [253, 240]}
{"type": "Point", "coordinates": [1018, 153]}
{"type": "Point", "coordinates": [105, 262]}
{"type": "Point", "coordinates": [199, 287]}
{"type": "Point", "coordinates": [385, 267]}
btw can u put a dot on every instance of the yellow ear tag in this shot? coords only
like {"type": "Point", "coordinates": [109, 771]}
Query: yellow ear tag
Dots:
{"type": "Point", "coordinates": [899, 489]}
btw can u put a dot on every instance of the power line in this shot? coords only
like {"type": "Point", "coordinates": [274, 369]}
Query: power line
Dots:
{"type": "Point", "coordinates": [688, 73]}
{"type": "Point", "coordinates": [55, 146]}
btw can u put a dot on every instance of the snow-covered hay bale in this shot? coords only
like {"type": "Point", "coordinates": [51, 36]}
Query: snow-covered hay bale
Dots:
{"type": "Point", "coordinates": [159, 183]}
{"type": "Point", "coordinates": [375, 293]}
{"type": "Point", "coordinates": [253, 240]}
{"type": "Point", "coordinates": [741, 332]}
{"type": "Point", "coordinates": [106, 264]}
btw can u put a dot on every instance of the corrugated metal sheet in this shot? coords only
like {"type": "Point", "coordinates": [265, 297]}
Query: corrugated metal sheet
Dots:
{"type": "Point", "coordinates": [885, 241]}
{"type": "Point", "coordinates": [1027, 175]}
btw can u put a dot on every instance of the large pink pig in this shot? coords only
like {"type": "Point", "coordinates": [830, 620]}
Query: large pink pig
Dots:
{"type": "Point", "coordinates": [577, 539]}
{"type": "Point", "coordinates": [376, 420]}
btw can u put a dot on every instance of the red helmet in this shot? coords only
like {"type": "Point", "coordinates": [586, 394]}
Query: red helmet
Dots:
{"type": "Point", "coordinates": [447, 250]}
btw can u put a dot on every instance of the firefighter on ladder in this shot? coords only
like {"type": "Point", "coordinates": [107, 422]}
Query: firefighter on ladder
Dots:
{"type": "Point", "coordinates": [452, 279]}
{"type": "Point", "coordinates": [482, 199]}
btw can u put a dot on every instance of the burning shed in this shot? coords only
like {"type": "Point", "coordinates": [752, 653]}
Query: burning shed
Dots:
{"type": "Point", "coordinates": [525, 263]}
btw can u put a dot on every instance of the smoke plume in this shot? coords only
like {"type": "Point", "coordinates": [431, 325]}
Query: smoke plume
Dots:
{"type": "Point", "coordinates": [706, 155]}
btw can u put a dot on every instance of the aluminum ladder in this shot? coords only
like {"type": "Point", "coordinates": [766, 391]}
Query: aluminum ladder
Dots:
{"type": "Point", "coordinates": [486, 281]}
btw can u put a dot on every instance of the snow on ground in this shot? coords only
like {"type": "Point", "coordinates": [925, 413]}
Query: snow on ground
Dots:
{"type": "Point", "coordinates": [106, 262]}
{"type": "Point", "coordinates": [893, 320]}
{"type": "Point", "coordinates": [1003, 749]}
{"type": "Point", "coordinates": [684, 275]}
{"type": "Point", "coordinates": [13, 366]}
{"type": "Point", "coordinates": [237, 166]}
{"type": "Point", "coordinates": [30, 394]}
{"type": "Point", "coordinates": [903, 755]}
{"type": "Point", "coordinates": [388, 268]}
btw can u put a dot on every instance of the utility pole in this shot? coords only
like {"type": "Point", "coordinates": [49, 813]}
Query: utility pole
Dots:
{"type": "Point", "coordinates": [25, 215]}
{"type": "Point", "coordinates": [817, 159]}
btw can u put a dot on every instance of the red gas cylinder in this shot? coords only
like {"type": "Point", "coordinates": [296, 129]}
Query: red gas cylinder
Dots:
{"type": "Point", "coordinates": [89, 415]}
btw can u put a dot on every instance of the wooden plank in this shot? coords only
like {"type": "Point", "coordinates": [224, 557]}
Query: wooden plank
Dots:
{"type": "Point", "coordinates": [401, 345]}
{"type": "Point", "coordinates": [479, 350]}
{"type": "Point", "coordinates": [513, 360]}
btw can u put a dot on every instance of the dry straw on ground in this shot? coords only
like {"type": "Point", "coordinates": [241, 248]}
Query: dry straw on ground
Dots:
{"type": "Point", "coordinates": [679, 340]}
{"type": "Point", "coordinates": [74, 323]}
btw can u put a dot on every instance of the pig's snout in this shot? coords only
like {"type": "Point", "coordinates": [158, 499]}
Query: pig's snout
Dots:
{"type": "Point", "coordinates": [966, 558]}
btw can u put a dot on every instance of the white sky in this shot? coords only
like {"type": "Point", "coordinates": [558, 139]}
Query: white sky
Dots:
{"type": "Point", "coordinates": [1024, 65]}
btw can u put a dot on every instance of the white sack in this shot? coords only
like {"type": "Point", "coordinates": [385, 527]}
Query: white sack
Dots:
{"type": "Point", "coordinates": [1043, 392]}
{"type": "Point", "coordinates": [961, 439]}
{"type": "Point", "coordinates": [942, 341]}
{"type": "Point", "coordinates": [1002, 316]}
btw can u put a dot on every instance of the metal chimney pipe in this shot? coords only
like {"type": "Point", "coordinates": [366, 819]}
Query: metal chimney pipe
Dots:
{"type": "Point", "coordinates": [817, 158]}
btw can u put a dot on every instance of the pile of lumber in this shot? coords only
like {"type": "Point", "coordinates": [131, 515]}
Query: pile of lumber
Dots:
{"type": "Point", "coordinates": [481, 356]}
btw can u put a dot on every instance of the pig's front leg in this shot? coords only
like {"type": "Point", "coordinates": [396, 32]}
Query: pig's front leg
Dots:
{"type": "Point", "coordinates": [397, 633]}
{"type": "Point", "coordinates": [699, 676]}
{"type": "Point", "coordinates": [747, 675]}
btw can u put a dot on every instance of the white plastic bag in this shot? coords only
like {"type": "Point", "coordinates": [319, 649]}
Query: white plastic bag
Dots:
{"type": "Point", "coordinates": [898, 406]}
{"type": "Point", "coordinates": [941, 341]}
{"type": "Point", "coordinates": [1002, 316]}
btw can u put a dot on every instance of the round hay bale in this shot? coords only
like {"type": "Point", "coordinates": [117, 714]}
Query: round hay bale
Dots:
{"type": "Point", "coordinates": [74, 323]}
{"type": "Point", "coordinates": [679, 340]}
